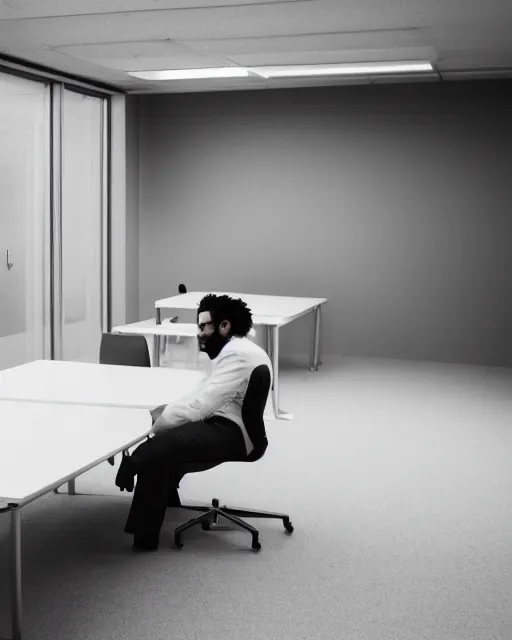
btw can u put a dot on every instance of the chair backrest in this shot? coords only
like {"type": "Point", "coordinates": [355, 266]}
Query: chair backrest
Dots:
{"type": "Point", "coordinates": [253, 408]}
{"type": "Point", "coordinates": [125, 350]}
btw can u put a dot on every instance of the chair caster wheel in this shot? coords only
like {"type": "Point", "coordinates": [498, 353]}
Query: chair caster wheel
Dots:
{"type": "Point", "coordinates": [205, 525]}
{"type": "Point", "coordinates": [288, 527]}
{"type": "Point", "coordinates": [256, 546]}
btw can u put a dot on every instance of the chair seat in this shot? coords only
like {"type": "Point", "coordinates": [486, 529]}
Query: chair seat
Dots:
{"type": "Point", "coordinates": [196, 467]}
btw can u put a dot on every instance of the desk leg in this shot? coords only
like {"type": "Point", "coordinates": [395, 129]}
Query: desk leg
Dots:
{"type": "Point", "coordinates": [156, 340]}
{"type": "Point", "coordinates": [16, 574]}
{"type": "Point", "coordinates": [178, 338]}
{"type": "Point", "coordinates": [273, 333]}
{"type": "Point", "coordinates": [156, 351]}
{"type": "Point", "coordinates": [267, 341]}
{"type": "Point", "coordinates": [315, 355]}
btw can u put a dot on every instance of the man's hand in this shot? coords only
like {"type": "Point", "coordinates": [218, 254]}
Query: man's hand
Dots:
{"type": "Point", "coordinates": [157, 412]}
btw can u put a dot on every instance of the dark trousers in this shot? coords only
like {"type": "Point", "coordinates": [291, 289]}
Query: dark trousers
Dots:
{"type": "Point", "coordinates": [159, 465]}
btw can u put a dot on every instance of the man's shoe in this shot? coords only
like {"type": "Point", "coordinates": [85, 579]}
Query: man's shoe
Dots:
{"type": "Point", "coordinates": [125, 474]}
{"type": "Point", "coordinates": [146, 542]}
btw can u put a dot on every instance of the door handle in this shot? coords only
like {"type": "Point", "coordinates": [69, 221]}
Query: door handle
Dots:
{"type": "Point", "coordinates": [10, 264]}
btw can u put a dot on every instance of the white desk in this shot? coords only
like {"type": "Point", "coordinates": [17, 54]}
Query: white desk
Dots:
{"type": "Point", "coordinates": [97, 384]}
{"type": "Point", "coordinates": [270, 311]}
{"type": "Point", "coordinates": [43, 445]}
{"type": "Point", "coordinates": [60, 419]}
{"type": "Point", "coordinates": [168, 329]}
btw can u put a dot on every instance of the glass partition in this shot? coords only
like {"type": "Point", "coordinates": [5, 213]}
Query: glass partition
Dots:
{"type": "Point", "coordinates": [82, 229]}
{"type": "Point", "coordinates": [24, 221]}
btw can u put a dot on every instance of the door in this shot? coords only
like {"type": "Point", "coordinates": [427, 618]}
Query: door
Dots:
{"type": "Point", "coordinates": [24, 221]}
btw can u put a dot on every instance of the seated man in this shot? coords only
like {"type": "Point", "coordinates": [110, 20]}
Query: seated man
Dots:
{"type": "Point", "coordinates": [204, 426]}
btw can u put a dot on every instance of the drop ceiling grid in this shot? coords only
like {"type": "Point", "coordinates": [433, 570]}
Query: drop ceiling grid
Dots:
{"type": "Point", "coordinates": [250, 21]}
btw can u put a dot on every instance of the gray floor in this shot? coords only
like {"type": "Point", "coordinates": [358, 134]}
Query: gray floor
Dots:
{"type": "Point", "coordinates": [397, 477]}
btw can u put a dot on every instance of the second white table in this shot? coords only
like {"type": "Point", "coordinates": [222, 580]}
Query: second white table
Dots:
{"type": "Point", "coordinates": [271, 311]}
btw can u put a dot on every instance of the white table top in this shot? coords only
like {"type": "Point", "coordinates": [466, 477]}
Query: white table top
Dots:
{"type": "Point", "coordinates": [44, 444]}
{"type": "Point", "coordinates": [97, 384]}
{"type": "Point", "coordinates": [260, 305]}
{"type": "Point", "coordinates": [166, 328]}
{"type": "Point", "coordinates": [151, 328]}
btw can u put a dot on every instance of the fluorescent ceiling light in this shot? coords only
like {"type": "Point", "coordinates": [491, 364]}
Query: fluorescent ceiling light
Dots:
{"type": "Point", "coordinates": [191, 74]}
{"type": "Point", "coordinates": [289, 71]}
{"type": "Point", "coordinates": [346, 69]}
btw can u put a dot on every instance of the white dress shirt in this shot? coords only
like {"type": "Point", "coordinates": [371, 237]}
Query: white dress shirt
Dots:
{"type": "Point", "coordinates": [223, 392]}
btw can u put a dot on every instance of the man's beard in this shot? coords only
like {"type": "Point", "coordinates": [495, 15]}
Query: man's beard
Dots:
{"type": "Point", "coordinates": [212, 344]}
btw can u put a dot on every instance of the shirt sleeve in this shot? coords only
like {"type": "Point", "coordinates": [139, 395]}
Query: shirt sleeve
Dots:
{"type": "Point", "coordinates": [222, 387]}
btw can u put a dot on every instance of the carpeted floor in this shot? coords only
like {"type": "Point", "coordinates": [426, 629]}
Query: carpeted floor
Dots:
{"type": "Point", "coordinates": [397, 477]}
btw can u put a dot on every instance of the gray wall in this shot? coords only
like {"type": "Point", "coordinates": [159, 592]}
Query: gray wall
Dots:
{"type": "Point", "coordinates": [391, 201]}
{"type": "Point", "coordinates": [132, 210]}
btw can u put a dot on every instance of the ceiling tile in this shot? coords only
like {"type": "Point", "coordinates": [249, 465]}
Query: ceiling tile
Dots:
{"type": "Point", "coordinates": [143, 56]}
{"type": "Point", "coordinates": [155, 48]}
{"type": "Point", "coordinates": [16, 9]}
{"type": "Point", "coordinates": [384, 39]}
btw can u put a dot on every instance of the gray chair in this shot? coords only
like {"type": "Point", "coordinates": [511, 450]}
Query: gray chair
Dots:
{"type": "Point", "coordinates": [131, 351]}
{"type": "Point", "coordinates": [252, 414]}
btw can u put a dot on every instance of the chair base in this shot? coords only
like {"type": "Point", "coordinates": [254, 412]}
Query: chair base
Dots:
{"type": "Point", "coordinates": [210, 515]}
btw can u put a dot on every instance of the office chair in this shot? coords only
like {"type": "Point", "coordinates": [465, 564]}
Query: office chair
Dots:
{"type": "Point", "coordinates": [131, 351]}
{"type": "Point", "coordinates": [252, 415]}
